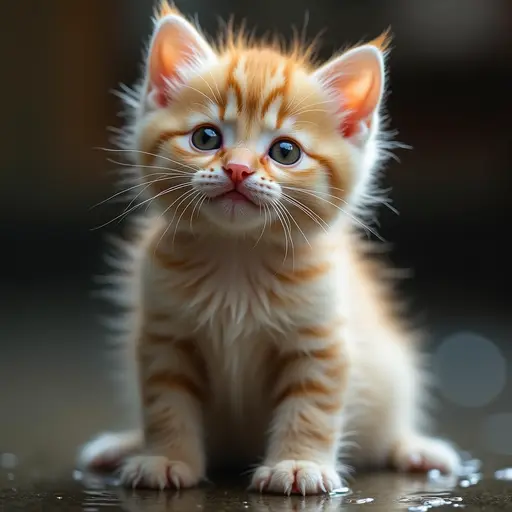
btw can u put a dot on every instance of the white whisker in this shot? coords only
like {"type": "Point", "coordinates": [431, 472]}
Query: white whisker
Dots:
{"type": "Point", "coordinates": [217, 100]}
{"type": "Point", "coordinates": [310, 213]}
{"type": "Point", "coordinates": [199, 92]}
{"type": "Point", "coordinates": [126, 190]}
{"type": "Point", "coordinates": [353, 217]}
{"type": "Point", "coordinates": [112, 150]}
{"type": "Point", "coordinates": [180, 198]}
{"type": "Point", "coordinates": [287, 228]}
{"type": "Point", "coordinates": [150, 200]}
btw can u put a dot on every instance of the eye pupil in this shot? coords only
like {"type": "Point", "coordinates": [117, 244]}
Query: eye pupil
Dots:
{"type": "Point", "coordinates": [285, 148]}
{"type": "Point", "coordinates": [207, 138]}
{"type": "Point", "coordinates": [285, 152]}
{"type": "Point", "coordinates": [206, 135]}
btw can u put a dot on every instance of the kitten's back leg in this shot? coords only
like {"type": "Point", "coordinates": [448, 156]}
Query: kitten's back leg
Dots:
{"type": "Point", "coordinates": [107, 451]}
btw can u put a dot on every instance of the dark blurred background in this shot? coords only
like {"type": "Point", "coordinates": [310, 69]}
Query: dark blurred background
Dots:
{"type": "Point", "coordinates": [450, 83]}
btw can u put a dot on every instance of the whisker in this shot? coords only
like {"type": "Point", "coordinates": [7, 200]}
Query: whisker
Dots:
{"type": "Point", "coordinates": [295, 222]}
{"type": "Point", "coordinates": [265, 209]}
{"type": "Point", "coordinates": [217, 100]}
{"type": "Point", "coordinates": [161, 167]}
{"type": "Point", "coordinates": [216, 87]}
{"type": "Point", "coordinates": [354, 218]}
{"type": "Point", "coordinates": [146, 187]}
{"type": "Point", "coordinates": [310, 213]}
{"type": "Point", "coordinates": [307, 111]}
{"type": "Point", "coordinates": [198, 205]}
{"type": "Point", "coordinates": [280, 218]}
{"type": "Point", "coordinates": [194, 196]}
{"type": "Point", "coordinates": [182, 197]}
{"type": "Point", "coordinates": [199, 92]}
{"type": "Point", "coordinates": [308, 108]}
{"type": "Point", "coordinates": [126, 190]}
{"type": "Point", "coordinates": [113, 150]}
{"type": "Point", "coordinates": [288, 230]}
{"type": "Point", "coordinates": [151, 199]}
{"type": "Point", "coordinates": [297, 189]}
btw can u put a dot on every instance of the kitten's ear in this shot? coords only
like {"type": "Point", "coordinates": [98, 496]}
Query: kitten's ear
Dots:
{"type": "Point", "coordinates": [176, 48]}
{"type": "Point", "coordinates": [356, 80]}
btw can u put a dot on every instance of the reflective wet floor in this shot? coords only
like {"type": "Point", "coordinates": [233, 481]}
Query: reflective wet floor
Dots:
{"type": "Point", "coordinates": [57, 393]}
{"type": "Point", "coordinates": [383, 492]}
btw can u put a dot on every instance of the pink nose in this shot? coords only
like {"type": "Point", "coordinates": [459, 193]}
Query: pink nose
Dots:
{"type": "Point", "coordinates": [238, 172]}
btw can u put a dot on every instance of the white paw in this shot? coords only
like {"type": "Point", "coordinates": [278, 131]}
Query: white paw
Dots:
{"type": "Point", "coordinates": [421, 454]}
{"type": "Point", "coordinates": [296, 476]}
{"type": "Point", "coordinates": [157, 472]}
{"type": "Point", "coordinates": [107, 451]}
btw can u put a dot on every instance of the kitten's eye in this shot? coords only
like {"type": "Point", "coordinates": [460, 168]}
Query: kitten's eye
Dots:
{"type": "Point", "coordinates": [207, 138]}
{"type": "Point", "coordinates": [285, 152]}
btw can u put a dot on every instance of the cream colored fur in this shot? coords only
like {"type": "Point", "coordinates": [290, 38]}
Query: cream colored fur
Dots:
{"type": "Point", "coordinates": [232, 272]}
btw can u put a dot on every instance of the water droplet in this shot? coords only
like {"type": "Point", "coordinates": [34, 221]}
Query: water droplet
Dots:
{"type": "Point", "coordinates": [503, 474]}
{"type": "Point", "coordinates": [361, 501]}
{"type": "Point", "coordinates": [434, 474]}
{"type": "Point", "coordinates": [425, 501]}
{"type": "Point", "coordinates": [436, 502]}
{"type": "Point", "coordinates": [77, 475]}
{"type": "Point", "coordinates": [341, 491]}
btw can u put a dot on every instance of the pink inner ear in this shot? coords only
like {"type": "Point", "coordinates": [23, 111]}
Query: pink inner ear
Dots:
{"type": "Point", "coordinates": [162, 70]}
{"type": "Point", "coordinates": [359, 100]}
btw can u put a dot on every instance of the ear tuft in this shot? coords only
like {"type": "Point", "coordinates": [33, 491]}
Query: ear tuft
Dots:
{"type": "Point", "coordinates": [164, 9]}
{"type": "Point", "coordinates": [356, 81]}
{"type": "Point", "coordinates": [176, 49]}
{"type": "Point", "coordinates": [382, 42]}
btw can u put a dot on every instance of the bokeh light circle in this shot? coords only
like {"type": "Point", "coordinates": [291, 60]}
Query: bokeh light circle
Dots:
{"type": "Point", "coordinates": [471, 369]}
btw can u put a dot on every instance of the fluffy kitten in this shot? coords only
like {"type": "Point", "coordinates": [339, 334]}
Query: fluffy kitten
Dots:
{"type": "Point", "coordinates": [262, 333]}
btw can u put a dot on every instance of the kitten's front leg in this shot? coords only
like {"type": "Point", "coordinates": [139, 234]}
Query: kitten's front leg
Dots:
{"type": "Point", "coordinates": [172, 384]}
{"type": "Point", "coordinates": [306, 427]}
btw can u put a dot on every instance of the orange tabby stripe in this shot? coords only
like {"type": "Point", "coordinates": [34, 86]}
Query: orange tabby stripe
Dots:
{"type": "Point", "coordinates": [284, 110]}
{"type": "Point", "coordinates": [311, 431]}
{"type": "Point", "coordinates": [335, 180]}
{"type": "Point", "coordinates": [176, 381]}
{"type": "Point", "coordinates": [231, 83]}
{"type": "Point", "coordinates": [301, 275]}
{"type": "Point", "coordinates": [303, 388]}
{"type": "Point", "coordinates": [281, 90]}
{"type": "Point", "coordinates": [155, 148]}
{"type": "Point", "coordinates": [318, 331]}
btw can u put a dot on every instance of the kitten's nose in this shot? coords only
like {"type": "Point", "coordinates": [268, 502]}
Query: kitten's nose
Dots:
{"type": "Point", "coordinates": [238, 172]}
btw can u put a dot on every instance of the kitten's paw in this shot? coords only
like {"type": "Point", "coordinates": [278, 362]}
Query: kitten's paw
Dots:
{"type": "Point", "coordinates": [296, 476]}
{"type": "Point", "coordinates": [107, 451]}
{"type": "Point", "coordinates": [421, 454]}
{"type": "Point", "coordinates": [157, 472]}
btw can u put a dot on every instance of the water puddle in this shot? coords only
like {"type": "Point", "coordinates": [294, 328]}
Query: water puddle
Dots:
{"type": "Point", "coordinates": [423, 501]}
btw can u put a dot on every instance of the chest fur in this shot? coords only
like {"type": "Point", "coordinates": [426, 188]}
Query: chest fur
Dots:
{"type": "Point", "coordinates": [237, 293]}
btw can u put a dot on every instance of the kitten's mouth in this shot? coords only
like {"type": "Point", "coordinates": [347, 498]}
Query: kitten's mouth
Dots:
{"type": "Point", "coordinates": [236, 197]}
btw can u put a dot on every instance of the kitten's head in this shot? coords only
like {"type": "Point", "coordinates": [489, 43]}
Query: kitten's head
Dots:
{"type": "Point", "coordinates": [248, 139]}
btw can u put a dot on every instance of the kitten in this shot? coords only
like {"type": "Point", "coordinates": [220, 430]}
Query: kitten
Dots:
{"type": "Point", "coordinates": [262, 332]}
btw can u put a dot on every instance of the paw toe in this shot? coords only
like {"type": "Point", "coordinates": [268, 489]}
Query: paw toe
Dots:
{"type": "Point", "coordinates": [296, 477]}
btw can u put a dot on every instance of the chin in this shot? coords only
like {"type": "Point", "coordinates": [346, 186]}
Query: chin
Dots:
{"type": "Point", "coordinates": [234, 216]}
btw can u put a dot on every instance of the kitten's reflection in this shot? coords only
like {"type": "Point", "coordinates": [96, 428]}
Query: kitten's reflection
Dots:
{"type": "Point", "coordinates": [205, 501]}
{"type": "Point", "coordinates": [385, 489]}
{"type": "Point", "coordinates": [166, 501]}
